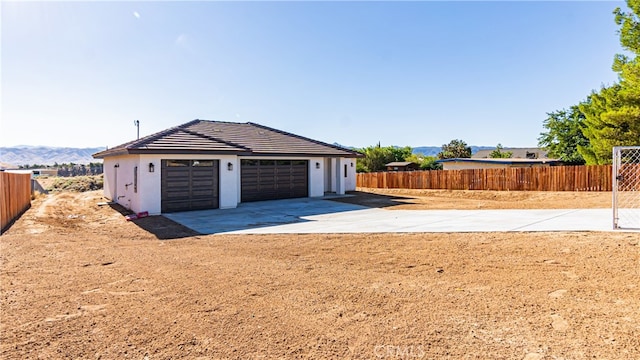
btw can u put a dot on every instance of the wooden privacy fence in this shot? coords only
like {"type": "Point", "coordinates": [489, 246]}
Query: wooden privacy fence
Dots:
{"type": "Point", "coordinates": [551, 178]}
{"type": "Point", "coordinates": [15, 197]}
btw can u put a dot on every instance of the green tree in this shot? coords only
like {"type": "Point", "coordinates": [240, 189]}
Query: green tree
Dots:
{"type": "Point", "coordinates": [564, 135]}
{"type": "Point", "coordinates": [376, 157]}
{"type": "Point", "coordinates": [612, 115]}
{"type": "Point", "coordinates": [629, 22]}
{"type": "Point", "coordinates": [399, 153]}
{"type": "Point", "coordinates": [455, 149]}
{"type": "Point", "coordinates": [373, 159]}
{"type": "Point", "coordinates": [628, 66]}
{"type": "Point", "coordinates": [608, 117]}
{"type": "Point", "coordinates": [499, 154]}
{"type": "Point", "coordinates": [425, 162]}
{"type": "Point", "coordinates": [611, 119]}
{"type": "Point", "coordinates": [360, 166]}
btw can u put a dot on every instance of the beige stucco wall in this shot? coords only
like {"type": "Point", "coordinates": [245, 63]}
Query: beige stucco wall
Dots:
{"type": "Point", "coordinates": [146, 196]}
{"type": "Point", "coordinates": [119, 182]}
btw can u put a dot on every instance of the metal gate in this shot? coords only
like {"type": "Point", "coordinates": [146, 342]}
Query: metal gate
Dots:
{"type": "Point", "coordinates": [626, 187]}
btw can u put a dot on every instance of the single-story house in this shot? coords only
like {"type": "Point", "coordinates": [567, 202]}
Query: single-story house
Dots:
{"type": "Point", "coordinates": [34, 172]}
{"type": "Point", "coordinates": [401, 166]}
{"type": "Point", "coordinates": [7, 166]}
{"type": "Point", "coordinates": [516, 153]}
{"type": "Point", "coordinates": [474, 163]}
{"type": "Point", "coordinates": [45, 172]}
{"type": "Point", "coordinates": [212, 164]}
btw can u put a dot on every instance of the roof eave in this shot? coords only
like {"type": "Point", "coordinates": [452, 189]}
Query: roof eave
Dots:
{"type": "Point", "coordinates": [120, 152]}
{"type": "Point", "coordinates": [113, 152]}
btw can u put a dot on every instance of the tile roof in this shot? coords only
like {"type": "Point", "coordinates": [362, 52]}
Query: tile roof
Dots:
{"type": "Point", "coordinates": [204, 136]}
{"type": "Point", "coordinates": [399, 163]}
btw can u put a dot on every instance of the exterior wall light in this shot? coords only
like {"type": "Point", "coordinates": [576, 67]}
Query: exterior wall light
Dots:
{"type": "Point", "coordinates": [317, 165]}
{"type": "Point", "coordinates": [152, 167]}
{"type": "Point", "coordinates": [229, 166]}
{"type": "Point", "coordinates": [352, 164]}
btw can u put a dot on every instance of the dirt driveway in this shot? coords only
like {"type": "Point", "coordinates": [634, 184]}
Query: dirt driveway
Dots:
{"type": "Point", "coordinates": [78, 281]}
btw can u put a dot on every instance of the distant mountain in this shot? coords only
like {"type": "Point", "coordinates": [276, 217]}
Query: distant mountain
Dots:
{"type": "Point", "coordinates": [344, 146]}
{"type": "Point", "coordinates": [44, 155]}
{"type": "Point", "coordinates": [429, 150]}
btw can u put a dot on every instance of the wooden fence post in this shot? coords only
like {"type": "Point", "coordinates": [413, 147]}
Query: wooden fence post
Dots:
{"type": "Point", "coordinates": [15, 197]}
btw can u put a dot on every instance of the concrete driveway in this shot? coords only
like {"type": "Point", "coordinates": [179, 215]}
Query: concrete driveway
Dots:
{"type": "Point", "coordinates": [321, 215]}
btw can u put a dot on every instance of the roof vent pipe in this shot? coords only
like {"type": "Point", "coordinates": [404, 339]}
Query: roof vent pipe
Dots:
{"type": "Point", "coordinates": [137, 125]}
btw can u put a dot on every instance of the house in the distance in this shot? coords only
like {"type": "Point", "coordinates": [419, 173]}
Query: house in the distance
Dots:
{"type": "Point", "coordinates": [520, 157]}
{"type": "Point", "coordinates": [210, 164]}
{"type": "Point", "coordinates": [516, 153]}
{"type": "Point", "coordinates": [34, 172]}
{"type": "Point", "coordinates": [401, 166]}
{"type": "Point", "coordinates": [6, 166]}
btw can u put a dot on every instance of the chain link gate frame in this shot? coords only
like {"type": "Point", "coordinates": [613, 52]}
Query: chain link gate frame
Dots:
{"type": "Point", "coordinates": [626, 187]}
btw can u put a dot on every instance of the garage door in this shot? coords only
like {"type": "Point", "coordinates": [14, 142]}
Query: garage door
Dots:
{"type": "Point", "coordinates": [189, 185]}
{"type": "Point", "coordinates": [273, 179]}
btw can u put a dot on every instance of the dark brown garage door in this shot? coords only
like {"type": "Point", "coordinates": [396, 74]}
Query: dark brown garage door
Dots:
{"type": "Point", "coordinates": [189, 185]}
{"type": "Point", "coordinates": [273, 179]}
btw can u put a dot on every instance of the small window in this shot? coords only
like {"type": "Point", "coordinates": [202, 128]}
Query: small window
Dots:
{"type": "Point", "coordinates": [247, 162]}
{"type": "Point", "coordinates": [178, 163]}
{"type": "Point", "coordinates": [345, 170]}
{"type": "Point", "coordinates": [135, 179]}
{"type": "Point", "coordinates": [299, 162]}
{"type": "Point", "coordinates": [267, 162]}
{"type": "Point", "coordinates": [283, 162]}
{"type": "Point", "coordinates": [202, 163]}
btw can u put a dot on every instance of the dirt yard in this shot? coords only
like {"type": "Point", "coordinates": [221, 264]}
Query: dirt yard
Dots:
{"type": "Point", "coordinates": [78, 281]}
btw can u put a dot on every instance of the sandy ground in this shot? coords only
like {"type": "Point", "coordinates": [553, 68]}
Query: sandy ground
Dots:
{"type": "Point", "coordinates": [78, 281]}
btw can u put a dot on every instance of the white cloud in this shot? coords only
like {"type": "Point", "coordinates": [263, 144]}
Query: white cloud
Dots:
{"type": "Point", "coordinates": [136, 14]}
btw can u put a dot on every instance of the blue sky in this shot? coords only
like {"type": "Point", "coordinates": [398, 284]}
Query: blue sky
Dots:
{"type": "Point", "coordinates": [357, 73]}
